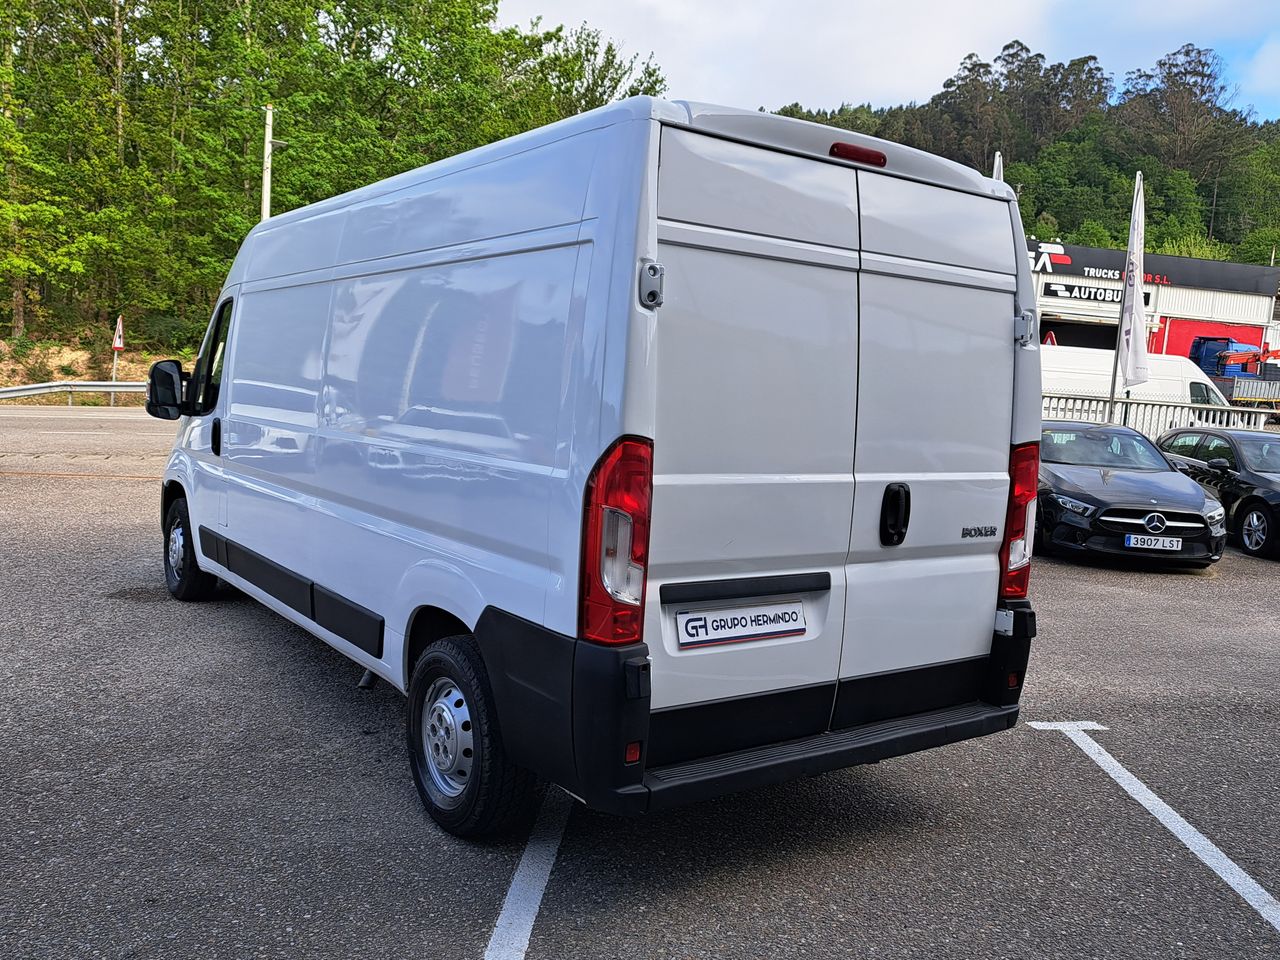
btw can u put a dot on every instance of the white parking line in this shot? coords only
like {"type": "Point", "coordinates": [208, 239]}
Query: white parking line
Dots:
{"type": "Point", "coordinates": [167, 435]}
{"type": "Point", "coordinates": [511, 933]}
{"type": "Point", "coordinates": [34, 415]}
{"type": "Point", "coordinates": [1192, 839]}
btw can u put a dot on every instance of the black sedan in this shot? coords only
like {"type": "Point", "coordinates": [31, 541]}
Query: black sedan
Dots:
{"type": "Point", "coordinates": [1242, 469]}
{"type": "Point", "coordinates": [1107, 489]}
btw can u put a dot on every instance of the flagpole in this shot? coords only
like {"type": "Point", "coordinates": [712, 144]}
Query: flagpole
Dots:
{"type": "Point", "coordinates": [1131, 300]}
{"type": "Point", "coordinates": [1115, 370]}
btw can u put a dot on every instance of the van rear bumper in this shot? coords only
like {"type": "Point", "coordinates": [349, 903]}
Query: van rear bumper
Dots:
{"type": "Point", "coordinates": [567, 710]}
{"type": "Point", "coordinates": [700, 779]}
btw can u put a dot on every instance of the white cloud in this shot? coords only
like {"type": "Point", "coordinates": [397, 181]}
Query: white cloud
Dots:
{"type": "Point", "coordinates": [1260, 78]}
{"type": "Point", "coordinates": [767, 53]}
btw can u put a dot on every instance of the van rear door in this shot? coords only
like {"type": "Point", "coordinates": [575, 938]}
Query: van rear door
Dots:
{"type": "Point", "coordinates": [935, 401]}
{"type": "Point", "coordinates": [756, 353]}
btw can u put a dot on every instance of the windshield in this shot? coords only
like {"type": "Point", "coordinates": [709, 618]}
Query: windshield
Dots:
{"type": "Point", "coordinates": [1100, 447]}
{"type": "Point", "coordinates": [1261, 454]}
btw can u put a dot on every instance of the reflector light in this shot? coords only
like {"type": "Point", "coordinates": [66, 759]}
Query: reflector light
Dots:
{"type": "Point", "coordinates": [615, 543]}
{"type": "Point", "coordinates": [632, 754]}
{"type": "Point", "coordinates": [1020, 521]}
{"type": "Point", "coordinates": [851, 151]}
{"type": "Point", "coordinates": [1014, 681]}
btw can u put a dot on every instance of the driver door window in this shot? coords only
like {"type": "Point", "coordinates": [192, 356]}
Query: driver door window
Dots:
{"type": "Point", "coordinates": [1216, 448]}
{"type": "Point", "coordinates": [206, 379]}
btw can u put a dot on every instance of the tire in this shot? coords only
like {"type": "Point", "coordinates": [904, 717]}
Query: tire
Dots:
{"type": "Point", "coordinates": [463, 775]}
{"type": "Point", "coordinates": [182, 574]}
{"type": "Point", "coordinates": [1258, 535]}
{"type": "Point", "coordinates": [1042, 546]}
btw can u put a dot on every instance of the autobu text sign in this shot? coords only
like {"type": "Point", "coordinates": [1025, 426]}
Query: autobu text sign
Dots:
{"type": "Point", "coordinates": [1084, 291]}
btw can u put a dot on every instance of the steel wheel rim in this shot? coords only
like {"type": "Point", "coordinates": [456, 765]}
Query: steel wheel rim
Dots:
{"type": "Point", "coordinates": [177, 548]}
{"type": "Point", "coordinates": [448, 737]}
{"type": "Point", "coordinates": [1254, 530]}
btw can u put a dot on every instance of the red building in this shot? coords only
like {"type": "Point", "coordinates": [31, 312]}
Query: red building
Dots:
{"type": "Point", "coordinates": [1078, 295]}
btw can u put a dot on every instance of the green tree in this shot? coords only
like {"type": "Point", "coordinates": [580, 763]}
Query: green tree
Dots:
{"type": "Point", "coordinates": [1260, 246]}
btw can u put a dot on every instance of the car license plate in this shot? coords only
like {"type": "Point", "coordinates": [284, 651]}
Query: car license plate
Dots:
{"type": "Point", "coordinates": [1152, 543]}
{"type": "Point", "coordinates": [761, 621]}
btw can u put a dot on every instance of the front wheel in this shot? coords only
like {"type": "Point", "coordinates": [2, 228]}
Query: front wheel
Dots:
{"type": "Point", "coordinates": [1258, 531]}
{"type": "Point", "coordinates": [182, 574]}
{"type": "Point", "coordinates": [463, 775]}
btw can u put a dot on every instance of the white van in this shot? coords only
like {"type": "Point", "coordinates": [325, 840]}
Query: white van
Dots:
{"type": "Point", "coordinates": [598, 443]}
{"type": "Point", "coordinates": [1086, 372]}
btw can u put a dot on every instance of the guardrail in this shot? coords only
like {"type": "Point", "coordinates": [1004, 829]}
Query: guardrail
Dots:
{"type": "Point", "coordinates": [73, 387]}
{"type": "Point", "coordinates": [1153, 417]}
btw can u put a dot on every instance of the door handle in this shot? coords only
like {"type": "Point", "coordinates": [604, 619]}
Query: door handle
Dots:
{"type": "Point", "coordinates": [215, 437]}
{"type": "Point", "coordinates": [895, 514]}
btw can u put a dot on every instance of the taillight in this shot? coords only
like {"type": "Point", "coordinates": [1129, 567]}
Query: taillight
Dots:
{"type": "Point", "coordinates": [858, 154]}
{"type": "Point", "coordinates": [615, 543]}
{"type": "Point", "coordinates": [1019, 522]}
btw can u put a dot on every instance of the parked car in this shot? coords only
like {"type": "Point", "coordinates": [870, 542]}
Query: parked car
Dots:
{"type": "Point", "coordinates": [552, 435]}
{"type": "Point", "coordinates": [1107, 489]}
{"type": "Point", "coordinates": [1242, 469]}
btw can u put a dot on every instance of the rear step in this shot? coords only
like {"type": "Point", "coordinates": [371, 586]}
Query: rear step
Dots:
{"type": "Point", "coordinates": [695, 780]}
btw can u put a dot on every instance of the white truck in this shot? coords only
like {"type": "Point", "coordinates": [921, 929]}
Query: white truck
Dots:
{"type": "Point", "coordinates": [593, 441]}
{"type": "Point", "coordinates": [1086, 372]}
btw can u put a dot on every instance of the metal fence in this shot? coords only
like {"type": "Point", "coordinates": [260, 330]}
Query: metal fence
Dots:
{"type": "Point", "coordinates": [73, 387]}
{"type": "Point", "coordinates": [1153, 417]}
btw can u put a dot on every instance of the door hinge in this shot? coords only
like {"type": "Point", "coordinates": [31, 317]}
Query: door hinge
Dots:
{"type": "Point", "coordinates": [652, 275]}
{"type": "Point", "coordinates": [1024, 329]}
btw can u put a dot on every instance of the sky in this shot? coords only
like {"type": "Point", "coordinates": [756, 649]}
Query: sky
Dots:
{"type": "Point", "coordinates": [753, 53]}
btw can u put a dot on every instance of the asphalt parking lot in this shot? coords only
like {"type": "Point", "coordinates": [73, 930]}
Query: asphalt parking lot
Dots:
{"type": "Point", "coordinates": [206, 780]}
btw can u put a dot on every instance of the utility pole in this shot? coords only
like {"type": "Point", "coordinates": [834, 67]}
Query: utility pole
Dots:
{"type": "Point", "coordinates": [267, 144]}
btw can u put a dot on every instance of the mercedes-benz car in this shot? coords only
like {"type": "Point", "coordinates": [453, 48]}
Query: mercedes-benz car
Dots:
{"type": "Point", "coordinates": [1242, 469]}
{"type": "Point", "coordinates": [1107, 489]}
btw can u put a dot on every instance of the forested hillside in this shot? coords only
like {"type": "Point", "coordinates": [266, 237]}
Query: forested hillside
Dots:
{"type": "Point", "coordinates": [1072, 139]}
{"type": "Point", "coordinates": [131, 137]}
{"type": "Point", "coordinates": [131, 134]}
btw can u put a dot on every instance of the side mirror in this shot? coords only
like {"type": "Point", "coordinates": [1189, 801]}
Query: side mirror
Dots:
{"type": "Point", "coordinates": [1219, 465]}
{"type": "Point", "coordinates": [164, 390]}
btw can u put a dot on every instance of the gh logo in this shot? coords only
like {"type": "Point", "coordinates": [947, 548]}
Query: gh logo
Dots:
{"type": "Point", "coordinates": [696, 627]}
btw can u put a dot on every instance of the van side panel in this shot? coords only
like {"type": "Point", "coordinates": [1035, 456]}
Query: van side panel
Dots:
{"type": "Point", "coordinates": [441, 396]}
{"type": "Point", "coordinates": [403, 413]}
{"type": "Point", "coordinates": [534, 190]}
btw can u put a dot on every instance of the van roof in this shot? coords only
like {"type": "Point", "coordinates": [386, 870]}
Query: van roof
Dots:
{"type": "Point", "coordinates": [750, 126]}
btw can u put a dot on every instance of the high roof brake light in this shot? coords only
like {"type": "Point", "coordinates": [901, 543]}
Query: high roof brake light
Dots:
{"type": "Point", "coordinates": [851, 151]}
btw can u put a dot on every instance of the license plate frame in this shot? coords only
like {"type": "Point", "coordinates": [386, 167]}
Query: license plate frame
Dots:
{"type": "Point", "coordinates": [740, 623]}
{"type": "Point", "coordinates": [1143, 541]}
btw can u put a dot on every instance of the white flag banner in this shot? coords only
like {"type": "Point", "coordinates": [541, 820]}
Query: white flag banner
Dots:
{"type": "Point", "coordinates": [1132, 339]}
{"type": "Point", "coordinates": [997, 168]}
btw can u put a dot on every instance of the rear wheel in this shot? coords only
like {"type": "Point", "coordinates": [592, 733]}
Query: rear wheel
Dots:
{"type": "Point", "coordinates": [182, 574]}
{"type": "Point", "coordinates": [463, 775]}
{"type": "Point", "coordinates": [1258, 530]}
